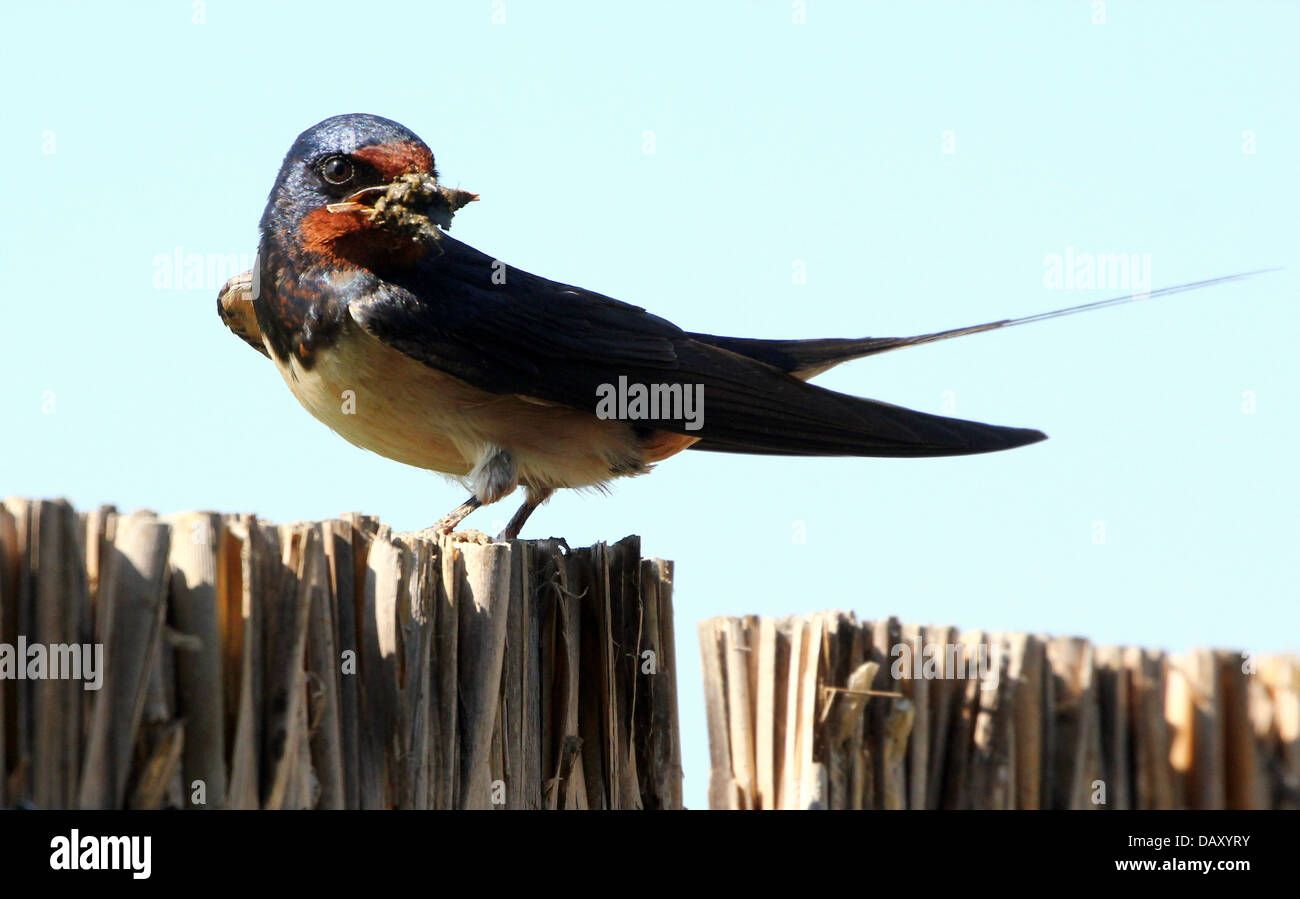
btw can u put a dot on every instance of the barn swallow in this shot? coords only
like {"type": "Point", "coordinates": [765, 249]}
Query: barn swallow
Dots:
{"type": "Point", "coordinates": [418, 347]}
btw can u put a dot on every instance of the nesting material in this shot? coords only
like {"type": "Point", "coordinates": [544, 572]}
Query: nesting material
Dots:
{"type": "Point", "coordinates": [416, 205]}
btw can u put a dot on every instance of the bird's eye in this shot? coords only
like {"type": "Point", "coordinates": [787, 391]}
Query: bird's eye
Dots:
{"type": "Point", "coordinates": [337, 170]}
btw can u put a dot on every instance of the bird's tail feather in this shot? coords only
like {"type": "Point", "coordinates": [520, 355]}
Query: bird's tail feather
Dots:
{"type": "Point", "coordinates": [807, 358]}
{"type": "Point", "coordinates": [865, 427]}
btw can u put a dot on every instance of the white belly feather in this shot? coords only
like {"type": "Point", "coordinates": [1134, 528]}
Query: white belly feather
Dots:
{"type": "Point", "coordinates": [383, 400]}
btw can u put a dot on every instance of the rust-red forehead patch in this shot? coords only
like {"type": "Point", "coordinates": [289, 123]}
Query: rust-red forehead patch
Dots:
{"type": "Point", "coordinates": [398, 158]}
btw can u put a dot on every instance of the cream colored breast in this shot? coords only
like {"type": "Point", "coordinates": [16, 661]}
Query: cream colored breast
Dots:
{"type": "Point", "coordinates": [386, 402]}
{"type": "Point", "coordinates": [383, 400]}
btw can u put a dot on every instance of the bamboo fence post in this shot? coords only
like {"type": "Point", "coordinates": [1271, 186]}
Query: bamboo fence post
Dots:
{"type": "Point", "coordinates": [333, 665]}
{"type": "Point", "coordinates": [132, 607]}
{"type": "Point", "coordinates": [193, 564]}
{"type": "Point", "coordinates": [989, 720]}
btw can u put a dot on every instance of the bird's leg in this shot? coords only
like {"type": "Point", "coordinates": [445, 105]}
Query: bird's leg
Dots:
{"type": "Point", "coordinates": [536, 496]}
{"type": "Point", "coordinates": [449, 521]}
{"type": "Point", "coordinates": [495, 476]}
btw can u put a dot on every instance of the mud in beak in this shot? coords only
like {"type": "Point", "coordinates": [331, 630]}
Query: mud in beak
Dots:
{"type": "Point", "coordinates": [414, 194]}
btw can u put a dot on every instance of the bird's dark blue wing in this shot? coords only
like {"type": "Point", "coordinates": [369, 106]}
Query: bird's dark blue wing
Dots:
{"type": "Point", "coordinates": [508, 331]}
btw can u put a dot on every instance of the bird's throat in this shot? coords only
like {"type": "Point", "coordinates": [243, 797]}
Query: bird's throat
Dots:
{"type": "Point", "coordinates": [300, 309]}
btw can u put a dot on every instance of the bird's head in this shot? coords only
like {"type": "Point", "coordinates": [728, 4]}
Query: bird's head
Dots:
{"type": "Point", "coordinates": [358, 190]}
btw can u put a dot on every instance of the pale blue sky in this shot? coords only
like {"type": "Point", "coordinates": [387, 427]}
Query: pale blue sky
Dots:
{"type": "Point", "coordinates": [773, 142]}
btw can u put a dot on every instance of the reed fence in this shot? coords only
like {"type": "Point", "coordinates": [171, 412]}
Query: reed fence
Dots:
{"type": "Point", "coordinates": [826, 711]}
{"type": "Point", "coordinates": [328, 664]}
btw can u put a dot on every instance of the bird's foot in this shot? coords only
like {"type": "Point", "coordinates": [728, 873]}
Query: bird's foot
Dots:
{"type": "Point", "coordinates": [447, 524]}
{"type": "Point", "coordinates": [536, 496]}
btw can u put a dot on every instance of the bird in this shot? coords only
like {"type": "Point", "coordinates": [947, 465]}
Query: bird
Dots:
{"type": "Point", "coordinates": [425, 350]}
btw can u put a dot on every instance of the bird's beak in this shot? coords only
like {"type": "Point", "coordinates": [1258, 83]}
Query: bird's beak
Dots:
{"type": "Point", "coordinates": [417, 194]}
{"type": "Point", "coordinates": [363, 199]}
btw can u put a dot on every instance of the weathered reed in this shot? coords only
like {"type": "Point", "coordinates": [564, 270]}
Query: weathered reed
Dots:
{"type": "Point", "coordinates": [333, 664]}
{"type": "Point", "coordinates": [827, 711]}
